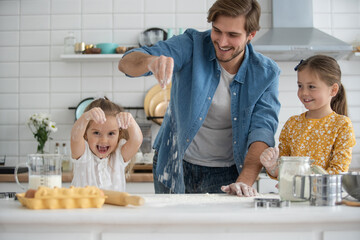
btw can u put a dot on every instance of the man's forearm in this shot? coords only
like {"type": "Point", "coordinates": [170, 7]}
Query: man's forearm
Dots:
{"type": "Point", "coordinates": [135, 64]}
{"type": "Point", "coordinates": [252, 165]}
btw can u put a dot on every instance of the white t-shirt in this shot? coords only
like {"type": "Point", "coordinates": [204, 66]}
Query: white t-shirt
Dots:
{"type": "Point", "coordinates": [212, 144]}
{"type": "Point", "coordinates": [89, 170]}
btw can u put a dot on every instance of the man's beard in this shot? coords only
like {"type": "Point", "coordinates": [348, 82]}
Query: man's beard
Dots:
{"type": "Point", "coordinates": [231, 57]}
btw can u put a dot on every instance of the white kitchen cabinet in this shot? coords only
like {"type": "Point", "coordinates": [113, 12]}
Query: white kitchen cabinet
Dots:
{"type": "Point", "coordinates": [182, 216]}
{"type": "Point", "coordinates": [336, 235]}
{"type": "Point", "coordinates": [178, 235]}
{"type": "Point", "coordinates": [210, 236]}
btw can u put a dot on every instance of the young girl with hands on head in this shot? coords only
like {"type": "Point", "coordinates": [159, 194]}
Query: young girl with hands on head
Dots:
{"type": "Point", "coordinates": [324, 133]}
{"type": "Point", "coordinates": [103, 141]}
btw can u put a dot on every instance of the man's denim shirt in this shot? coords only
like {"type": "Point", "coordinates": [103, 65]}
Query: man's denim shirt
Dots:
{"type": "Point", "coordinates": [254, 101]}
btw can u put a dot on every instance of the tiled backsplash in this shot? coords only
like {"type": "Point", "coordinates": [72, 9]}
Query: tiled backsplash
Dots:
{"type": "Point", "coordinates": [33, 78]}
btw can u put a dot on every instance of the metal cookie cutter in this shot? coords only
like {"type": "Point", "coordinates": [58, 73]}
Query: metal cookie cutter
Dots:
{"type": "Point", "coordinates": [270, 202]}
{"type": "Point", "coordinates": [7, 195]}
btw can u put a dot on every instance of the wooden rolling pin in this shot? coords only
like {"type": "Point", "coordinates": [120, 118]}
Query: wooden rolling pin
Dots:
{"type": "Point", "coordinates": [122, 198]}
{"type": "Point", "coordinates": [350, 203]}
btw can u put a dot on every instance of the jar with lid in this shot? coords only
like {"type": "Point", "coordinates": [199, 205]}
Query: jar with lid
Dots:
{"type": "Point", "coordinates": [69, 43]}
{"type": "Point", "coordinates": [289, 167]}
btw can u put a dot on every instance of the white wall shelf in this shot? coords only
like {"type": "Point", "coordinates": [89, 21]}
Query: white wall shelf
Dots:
{"type": "Point", "coordinates": [90, 57]}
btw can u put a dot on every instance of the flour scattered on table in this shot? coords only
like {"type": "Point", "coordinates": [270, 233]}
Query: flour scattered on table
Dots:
{"type": "Point", "coordinates": [163, 200]}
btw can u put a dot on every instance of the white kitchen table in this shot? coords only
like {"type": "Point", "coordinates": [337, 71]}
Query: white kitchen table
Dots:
{"type": "Point", "coordinates": [180, 216]}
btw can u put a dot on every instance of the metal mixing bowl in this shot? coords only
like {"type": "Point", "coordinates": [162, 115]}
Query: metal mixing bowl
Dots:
{"type": "Point", "coordinates": [351, 184]}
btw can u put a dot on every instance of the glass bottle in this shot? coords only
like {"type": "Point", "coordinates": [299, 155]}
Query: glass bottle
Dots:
{"type": "Point", "coordinates": [57, 148]}
{"type": "Point", "coordinates": [289, 167]}
{"type": "Point", "coordinates": [69, 43]}
{"type": "Point", "coordinates": [66, 162]}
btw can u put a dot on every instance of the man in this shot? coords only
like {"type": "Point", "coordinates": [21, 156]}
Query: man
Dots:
{"type": "Point", "coordinates": [224, 103]}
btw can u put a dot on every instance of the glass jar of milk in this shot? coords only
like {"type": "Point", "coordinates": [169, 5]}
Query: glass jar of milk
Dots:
{"type": "Point", "coordinates": [289, 167]}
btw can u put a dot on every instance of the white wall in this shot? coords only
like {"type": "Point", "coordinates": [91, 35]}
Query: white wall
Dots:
{"type": "Point", "coordinates": [33, 78]}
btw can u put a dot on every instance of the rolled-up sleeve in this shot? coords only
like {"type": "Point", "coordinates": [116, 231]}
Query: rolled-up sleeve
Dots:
{"type": "Point", "coordinates": [264, 119]}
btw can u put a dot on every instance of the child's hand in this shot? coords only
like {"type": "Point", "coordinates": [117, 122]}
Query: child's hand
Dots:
{"type": "Point", "coordinates": [124, 119]}
{"type": "Point", "coordinates": [96, 114]}
{"type": "Point", "coordinates": [269, 157]}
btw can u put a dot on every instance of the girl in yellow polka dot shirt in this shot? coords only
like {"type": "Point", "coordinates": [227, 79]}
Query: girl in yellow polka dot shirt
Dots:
{"type": "Point", "coordinates": [324, 133]}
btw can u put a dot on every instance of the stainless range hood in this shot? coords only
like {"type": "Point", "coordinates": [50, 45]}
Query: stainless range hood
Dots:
{"type": "Point", "coordinates": [293, 36]}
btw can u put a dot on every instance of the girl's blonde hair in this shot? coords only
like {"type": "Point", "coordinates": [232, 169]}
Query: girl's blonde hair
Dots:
{"type": "Point", "coordinates": [112, 109]}
{"type": "Point", "coordinates": [328, 70]}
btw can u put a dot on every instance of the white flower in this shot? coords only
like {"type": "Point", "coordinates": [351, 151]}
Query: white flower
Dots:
{"type": "Point", "coordinates": [41, 126]}
{"type": "Point", "coordinates": [51, 126]}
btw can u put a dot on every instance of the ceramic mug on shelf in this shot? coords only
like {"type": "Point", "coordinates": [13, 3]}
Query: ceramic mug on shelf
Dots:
{"type": "Point", "coordinates": [44, 170]}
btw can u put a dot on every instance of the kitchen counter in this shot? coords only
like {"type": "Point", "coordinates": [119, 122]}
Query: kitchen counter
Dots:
{"type": "Point", "coordinates": [140, 173]}
{"type": "Point", "coordinates": [180, 216]}
{"type": "Point", "coordinates": [67, 177]}
{"type": "Point", "coordinates": [23, 177]}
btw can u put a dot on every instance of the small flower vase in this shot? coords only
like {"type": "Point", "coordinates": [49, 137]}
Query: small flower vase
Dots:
{"type": "Point", "coordinates": [41, 136]}
{"type": "Point", "coordinates": [40, 148]}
